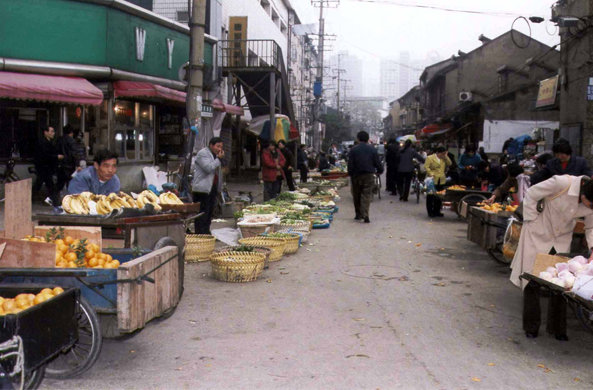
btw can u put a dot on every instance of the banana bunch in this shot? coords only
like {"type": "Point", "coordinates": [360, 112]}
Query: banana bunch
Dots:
{"type": "Point", "coordinates": [148, 197]}
{"type": "Point", "coordinates": [75, 204]}
{"type": "Point", "coordinates": [169, 198]}
{"type": "Point", "coordinates": [128, 199]}
{"type": "Point", "coordinates": [103, 205]}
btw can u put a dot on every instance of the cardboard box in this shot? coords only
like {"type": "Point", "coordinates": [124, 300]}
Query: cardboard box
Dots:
{"type": "Point", "coordinates": [543, 261]}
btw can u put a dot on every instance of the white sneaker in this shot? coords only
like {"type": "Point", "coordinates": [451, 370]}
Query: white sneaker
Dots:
{"type": "Point", "coordinates": [48, 201]}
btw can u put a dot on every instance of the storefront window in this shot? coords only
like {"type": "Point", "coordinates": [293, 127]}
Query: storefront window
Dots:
{"type": "Point", "coordinates": [134, 129]}
{"type": "Point", "coordinates": [73, 118]}
{"type": "Point", "coordinates": [96, 133]}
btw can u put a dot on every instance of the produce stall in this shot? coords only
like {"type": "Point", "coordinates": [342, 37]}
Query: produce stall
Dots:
{"type": "Point", "coordinates": [569, 276]}
{"type": "Point", "coordinates": [487, 228]}
{"type": "Point", "coordinates": [457, 195]}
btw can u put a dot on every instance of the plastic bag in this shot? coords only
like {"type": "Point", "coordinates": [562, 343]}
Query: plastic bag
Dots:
{"type": "Point", "coordinates": [583, 286]}
{"type": "Point", "coordinates": [511, 238]}
{"type": "Point", "coordinates": [429, 185]}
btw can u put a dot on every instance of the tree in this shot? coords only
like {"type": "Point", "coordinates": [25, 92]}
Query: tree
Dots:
{"type": "Point", "coordinates": [337, 129]}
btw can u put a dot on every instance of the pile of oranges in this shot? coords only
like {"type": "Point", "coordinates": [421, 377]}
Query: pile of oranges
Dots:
{"type": "Point", "coordinates": [24, 301]}
{"type": "Point", "coordinates": [66, 256]}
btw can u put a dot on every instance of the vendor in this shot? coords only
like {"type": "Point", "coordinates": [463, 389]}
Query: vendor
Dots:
{"type": "Point", "coordinates": [99, 179]}
{"type": "Point", "coordinates": [511, 182]}
{"type": "Point", "coordinates": [565, 199]}
{"type": "Point", "coordinates": [435, 165]}
{"type": "Point", "coordinates": [563, 163]}
{"type": "Point", "coordinates": [468, 166]}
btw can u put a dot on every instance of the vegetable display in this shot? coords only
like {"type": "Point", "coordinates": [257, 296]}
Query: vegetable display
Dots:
{"type": "Point", "coordinates": [565, 274]}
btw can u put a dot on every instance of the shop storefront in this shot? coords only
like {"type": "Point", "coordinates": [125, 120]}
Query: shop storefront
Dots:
{"type": "Point", "coordinates": [129, 60]}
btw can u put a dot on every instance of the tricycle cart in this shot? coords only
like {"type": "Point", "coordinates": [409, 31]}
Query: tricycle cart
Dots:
{"type": "Point", "coordinates": [487, 229]}
{"type": "Point", "coordinates": [31, 338]}
{"type": "Point", "coordinates": [469, 196]}
{"type": "Point", "coordinates": [126, 298]}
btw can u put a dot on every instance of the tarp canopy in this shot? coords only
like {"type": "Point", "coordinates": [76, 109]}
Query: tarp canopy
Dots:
{"type": "Point", "coordinates": [434, 129]}
{"type": "Point", "coordinates": [404, 138]}
{"type": "Point", "coordinates": [283, 130]}
{"type": "Point", "coordinates": [229, 108]}
{"type": "Point", "coordinates": [142, 90]}
{"type": "Point", "coordinates": [73, 90]}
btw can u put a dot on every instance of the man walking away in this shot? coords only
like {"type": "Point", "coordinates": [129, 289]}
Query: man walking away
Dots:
{"type": "Point", "coordinates": [302, 163]}
{"type": "Point", "coordinates": [405, 169]}
{"type": "Point", "coordinates": [392, 160]}
{"type": "Point", "coordinates": [46, 163]}
{"type": "Point", "coordinates": [363, 164]}
{"type": "Point", "coordinates": [67, 147]}
{"type": "Point", "coordinates": [207, 181]}
{"type": "Point", "coordinates": [288, 166]}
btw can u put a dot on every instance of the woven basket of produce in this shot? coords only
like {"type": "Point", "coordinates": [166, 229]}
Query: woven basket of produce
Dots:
{"type": "Point", "coordinates": [275, 245]}
{"type": "Point", "coordinates": [237, 267]}
{"type": "Point", "coordinates": [305, 232]}
{"type": "Point", "coordinates": [247, 248]}
{"type": "Point", "coordinates": [297, 224]}
{"type": "Point", "coordinates": [199, 247]}
{"type": "Point", "coordinates": [292, 241]}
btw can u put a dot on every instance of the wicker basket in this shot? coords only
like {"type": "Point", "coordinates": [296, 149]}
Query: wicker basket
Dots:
{"type": "Point", "coordinates": [255, 230]}
{"type": "Point", "coordinates": [237, 267]}
{"type": "Point", "coordinates": [305, 232]}
{"type": "Point", "coordinates": [199, 247]}
{"type": "Point", "coordinates": [300, 225]}
{"type": "Point", "coordinates": [257, 249]}
{"type": "Point", "coordinates": [292, 243]}
{"type": "Point", "coordinates": [276, 246]}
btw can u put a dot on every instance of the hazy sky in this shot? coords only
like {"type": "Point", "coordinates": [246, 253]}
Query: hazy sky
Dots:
{"type": "Point", "coordinates": [381, 30]}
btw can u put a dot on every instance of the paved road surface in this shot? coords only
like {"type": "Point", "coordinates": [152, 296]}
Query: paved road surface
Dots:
{"type": "Point", "coordinates": [402, 303]}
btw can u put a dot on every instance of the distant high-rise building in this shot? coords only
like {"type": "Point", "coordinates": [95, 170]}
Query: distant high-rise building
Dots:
{"type": "Point", "coordinates": [353, 67]}
{"type": "Point", "coordinates": [389, 79]}
{"type": "Point", "coordinates": [404, 72]}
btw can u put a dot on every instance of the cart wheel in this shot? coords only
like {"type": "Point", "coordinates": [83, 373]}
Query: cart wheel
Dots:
{"type": "Point", "coordinates": [84, 352]}
{"type": "Point", "coordinates": [584, 317]}
{"type": "Point", "coordinates": [496, 254]}
{"type": "Point", "coordinates": [109, 329]}
{"type": "Point", "coordinates": [168, 241]}
{"type": "Point", "coordinates": [468, 198]}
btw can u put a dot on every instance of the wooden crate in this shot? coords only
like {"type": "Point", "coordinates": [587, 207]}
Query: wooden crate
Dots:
{"type": "Point", "coordinates": [17, 210]}
{"type": "Point", "coordinates": [138, 303]}
{"type": "Point", "coordinates": [26, 254]}
{"type": "Point", "coordinates": [91, 233]}
{"type": "Point", "coordinates": [543, 261]}
{"type": "Point", "coordinates": [482, 234]}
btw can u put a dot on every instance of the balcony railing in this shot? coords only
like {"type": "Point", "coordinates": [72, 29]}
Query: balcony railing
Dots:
{"type": "Point", "coordinates": [250, 53]}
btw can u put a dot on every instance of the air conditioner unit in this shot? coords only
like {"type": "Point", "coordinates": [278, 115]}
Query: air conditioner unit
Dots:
{"type": "Point", "coordinates": [466, 97]}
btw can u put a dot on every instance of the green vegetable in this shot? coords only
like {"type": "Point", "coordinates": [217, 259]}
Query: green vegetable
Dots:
{"type": "Point", "coordinates": [238, 214]}
{"type": "Point", "coordinates": [242, 248]}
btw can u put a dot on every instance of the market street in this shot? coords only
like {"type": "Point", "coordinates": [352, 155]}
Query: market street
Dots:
{"type": "Point", "coordinates": [402, 303]}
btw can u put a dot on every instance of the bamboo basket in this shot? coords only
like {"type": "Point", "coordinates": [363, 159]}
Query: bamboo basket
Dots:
{"type": "Point", "coordinates": [276, 246]}
{"type": "Point", "coordinates": [300, 225]}
{"type": "Point", "coordinates": [237, 267]}
{"type": "Point", "coordinates": [255, 230]}
{"type": "Point", "coordinates": [305, 232]}
{"type": "Point", "coordinates": [257, 249]}
{"type": "Point", "coordinates": [292, 243]}
{"type": "Point", "coordinates": [199, 247]}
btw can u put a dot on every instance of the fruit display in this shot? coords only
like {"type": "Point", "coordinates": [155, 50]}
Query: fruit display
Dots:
{"type": "Point", "coordinates": [565, 274]}
{"type": "Point", "coordinates": [76, 253]}
{"type": "Point", "coordinates": [80, 204]}
{"type": "Point", "coordinates": [457, 188]}
{"type": "Point", "coordinates": [24, 301]}
{"type": "Point", "coordinates": [496, 207]}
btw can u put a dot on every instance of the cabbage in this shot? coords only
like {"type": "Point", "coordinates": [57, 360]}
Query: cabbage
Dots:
{"type": "Point", "coordinates": [581, 260]}
{"type": "Point", "coordinates": [561, 267]}
{"type": "Point", "coordinates": [569, 281]}
{"type": "Point", "coordinates": [574, 266]}
{"type": "Point", "coordinates": [545, 276]}
{"type": "Point", "coordinates": [589, 269]}
{"type": "Point", "coordinates": [558, 282]}
{"type": "Point", "coordinates": [553, 271]}
{"type": "Point", "coordinates": [562, 274]}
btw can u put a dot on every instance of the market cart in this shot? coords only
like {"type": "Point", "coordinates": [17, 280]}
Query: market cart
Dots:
{"type": "Point", "coordinates": [487, 229]}
{"type": "Point", "coordinates": [468, 195]}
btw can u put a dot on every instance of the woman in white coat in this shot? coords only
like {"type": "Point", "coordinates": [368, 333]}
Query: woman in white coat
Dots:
{"type": "Point", "coordinates": [565, 199]}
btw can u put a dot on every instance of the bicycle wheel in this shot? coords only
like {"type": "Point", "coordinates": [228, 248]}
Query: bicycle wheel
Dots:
{"type": "Point", "coordinates": [496, 254]}
{"type": "Point", "coordinates": [85, 352]}
{"type": "Point", "coordinates": [379, 186]}
{"type": "Point", "coordinates": [417, 190]}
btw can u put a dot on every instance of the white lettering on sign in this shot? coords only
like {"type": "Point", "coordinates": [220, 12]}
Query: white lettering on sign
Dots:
{"type": "Point", "coordinates": [140, 43]}
{"type": "Point", "coordinates": [170, 45]}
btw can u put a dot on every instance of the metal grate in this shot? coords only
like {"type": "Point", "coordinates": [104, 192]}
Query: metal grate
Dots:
{"type": "Point", "coordinates": [176, 10]}
{"type": "Point", "coordinates": [250, 53]}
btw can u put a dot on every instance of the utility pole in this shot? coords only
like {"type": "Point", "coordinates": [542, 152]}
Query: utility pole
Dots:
{"type": "Point", "coordinates": [339, 71]}
{"type": "Point", "coordinates": [193, 101]}
{"type": "Point", "coordinates": [318, 87]}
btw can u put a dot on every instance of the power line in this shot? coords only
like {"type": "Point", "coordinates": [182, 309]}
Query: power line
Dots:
{"type": "Point", "coordinates": [381, 58]}
{"type": "Point", "coordinates": [498, 14]}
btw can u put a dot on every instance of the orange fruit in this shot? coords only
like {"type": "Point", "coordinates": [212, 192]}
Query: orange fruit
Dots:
{"type": "Point", "coordinates": [68, 240]}
{"type": "Point", "coordinates": [31, 297]}
{"type": "Point", "coordinates": [98, 266]}
{"type": "Point", "coordinates": [72, 264]}
{"type": "Point", "coordinates": [108, 258]}
{"type": "Point", "coordinates": [102, 256]}
{"type": "Point", "coordinates": [63, 249]}
{"type": "Point", "coordinates": [58, 290]}
{"type": "Point", "coordinates": [89, 254]}
{"type": "Point", "coordinates": [23, 303]}
{"type": "Point", "coordinates": [46, 290]}
{"type": "Point", "coordinates": [107, 265]}
{"type": "Point", "coordinates": [40, 298]}
{"type": "Point", "coordinates": [16, 310]}
{"type": "Point", "coordinates": [76, 242]}
{"type": "Point", "coordinates": [62, 264]}
{"type": "Point", "coordinates": [21, 296]}
{"type": "Point", "coordinates": [96, 248]}
{"type": "Point", "coordinates": [60, 242]}
{"type": "Point", "coordinates": [9, 304]}
{"type": "Point", "coordinates": [1, 301]}
{"type": "Point", "coordinates": [115, 263]}
{"type": "Point", "coordinates": [71, 256]}
{"type": "Point", "coordinates": [101, 262]}
{"type": "Point", "coordinates": [58, 255]}
{"type": "Point", "coordinates": [93, 262]}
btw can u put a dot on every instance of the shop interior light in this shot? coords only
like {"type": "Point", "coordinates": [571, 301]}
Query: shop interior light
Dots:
{"type": "Point", "coordinates": [140, 137]}
{"type": "Point", "coordinates": [118, 137]}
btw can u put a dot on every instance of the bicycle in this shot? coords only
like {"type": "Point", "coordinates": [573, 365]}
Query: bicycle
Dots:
{"type": "Point", "coordinates": [377, 187]}
{"type": "Point", "coordinates": [416, 186]}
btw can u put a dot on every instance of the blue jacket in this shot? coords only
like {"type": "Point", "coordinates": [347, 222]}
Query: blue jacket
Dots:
{"type": "Point", "coordinates": [577, 166]}
{"type": "Point", "coordinates": [88, 180]}
{"type": "Point", "coordinates": [465, 161]}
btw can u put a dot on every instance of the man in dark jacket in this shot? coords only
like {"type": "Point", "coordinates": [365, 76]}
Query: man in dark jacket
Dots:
{"type": "Point", "coordinates": [288, 166]}
{"type": "Point", "coordinates": [563, 163]}
{"type": "Point", "coordinates": [323, 162]}
{"type": "Point", "coordinates": [392, 161]}
{"type": "Point", "coordinates": [67, 146]}
{"type": "Point", "coordinates": [46, 163]}
{"type": "Point", "coordinates": [302, 163]}
{"type": "Point", "coordinates": [363, 164]}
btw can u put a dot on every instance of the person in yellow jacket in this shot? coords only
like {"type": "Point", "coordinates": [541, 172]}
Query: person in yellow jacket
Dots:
{"type": "Point", "coordinates": [435, 166]}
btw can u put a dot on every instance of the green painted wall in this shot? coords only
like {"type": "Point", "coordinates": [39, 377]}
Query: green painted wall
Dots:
{"type": "Point", "coordinates": [78, 32]}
